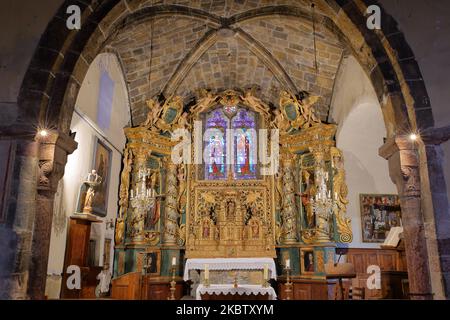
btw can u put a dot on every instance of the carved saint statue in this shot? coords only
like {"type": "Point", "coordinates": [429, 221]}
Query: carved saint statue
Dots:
{"type": "Point", "coordinates": [205, 229]}
{"type": "Point", "coordinates": [230, 210]}
{"type": "Point", "coordinates": [125, 181]}
{"type": "Point", "coordinates": [92, 180]}
{"type": "Point", "coordinates": [255, 228]}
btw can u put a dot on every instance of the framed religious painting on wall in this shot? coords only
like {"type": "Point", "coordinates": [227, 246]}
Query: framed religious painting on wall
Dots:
{"type": "Point", "coordinates": [151, 262]}
{"type": "Point", "coordinates": [307, 261]}
{"type": "Point", "coordinates": [101, 164]}
{"type": "Point", "coordinates": [107, 252]}
{"type": "Point", "coordinates": [379, 213]}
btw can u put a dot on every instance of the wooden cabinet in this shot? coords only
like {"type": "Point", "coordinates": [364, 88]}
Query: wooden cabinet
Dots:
{"type": "Point", "coordinates": [305, 289]}
{"type": "Point", "coordinates": [135, 286]}
{"type": "Point", "coordinates": [77, 251]}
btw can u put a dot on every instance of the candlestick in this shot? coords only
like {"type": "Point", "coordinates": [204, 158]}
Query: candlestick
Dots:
{"type": "Point", "coordinates": [266, 276]}
{"type": "Point", "coordinates": [173, 284]}
{"type": "Point", "coordinates": [206, 276]}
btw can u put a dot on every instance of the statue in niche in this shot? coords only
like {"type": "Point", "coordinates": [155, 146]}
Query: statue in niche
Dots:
{"type": "Point", "coordinates": [125, 180]}
{"type": "Point", "coordinates": [217, 234]}
{"type": "Point", "coordinates": [206, 229]}
{"type": "Point", "coordinates": [308, 194]}
{"type": "Point", "coordinates": [230, 210]}
{"type": "Point", "coordinates": [154, 112]}
{"type": "Point", "coordinates": [254, 225]}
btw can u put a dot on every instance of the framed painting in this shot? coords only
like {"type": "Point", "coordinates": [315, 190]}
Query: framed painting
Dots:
{"type": "Point", "coordinates": [307, 261]}
{"type": "Point", "coordinates": [151, 262]}
{"type": "Point", "coordinates": [101, 164]}
{"type": "Point", "coordinates": [379, 213]}
{"type": "Point", "coordinates": [107, 252]}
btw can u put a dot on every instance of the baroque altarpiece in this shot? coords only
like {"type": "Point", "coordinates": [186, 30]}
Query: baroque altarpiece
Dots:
{"type": "Point", "coordinates": [255, 181]}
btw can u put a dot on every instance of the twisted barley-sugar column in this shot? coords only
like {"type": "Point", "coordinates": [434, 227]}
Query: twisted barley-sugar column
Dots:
{"type": "Point", "coordinates": [141, 159]}
{"type": "Point", "coordinates": [171, 219]}
{"type": "Point", "coordinates": [288, 211]}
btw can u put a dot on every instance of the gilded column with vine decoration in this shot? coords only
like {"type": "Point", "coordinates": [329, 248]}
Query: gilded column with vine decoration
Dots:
{"type": "Point", "coordinates": [289, 209]}
{"type": "Point", "coordinates": [171, 220]}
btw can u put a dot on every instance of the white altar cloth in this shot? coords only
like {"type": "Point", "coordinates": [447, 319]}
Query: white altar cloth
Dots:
{"type": "Point", "coordinates": [226, 289]}
{"type": "Point", "coordinates": [230, 264]}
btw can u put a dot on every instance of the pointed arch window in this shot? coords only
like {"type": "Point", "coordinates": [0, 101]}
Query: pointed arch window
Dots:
{"type": "Point", "coordinates": [240, 147]}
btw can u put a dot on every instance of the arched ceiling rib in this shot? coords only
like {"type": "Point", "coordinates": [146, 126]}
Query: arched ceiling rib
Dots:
{"type": "Point", "coordinates": [183, 37]}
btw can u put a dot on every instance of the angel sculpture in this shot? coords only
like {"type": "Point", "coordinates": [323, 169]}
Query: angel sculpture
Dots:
{"type": "Point", "coordinates": [154, 111]}
{"type": "Point", "coordinates": [183, 121]}
{"type": "Point", "coordinates": [307, 110]}
{"type": "Point", "coordinates": [207, 99]}
{"type": "Point", "coordinates": [278, 122]}
{"type": "Point", "coordinates": [250, 100]}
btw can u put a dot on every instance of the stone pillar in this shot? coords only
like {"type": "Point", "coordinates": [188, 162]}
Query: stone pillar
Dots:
{"type": "Point", "coordinates": [171, 218]}
{"type": "Point", "coordinates": [404, 169]}
{"type": "Point", "coordinates": [53, 151]}
{"type": "Point", "coordinates": [17, 231]}
{"type": "Point", "coordinates": [289, 209]}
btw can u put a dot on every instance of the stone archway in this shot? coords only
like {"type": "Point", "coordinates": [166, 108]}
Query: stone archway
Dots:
{"type": "Point", "coordinates": [61, 61]}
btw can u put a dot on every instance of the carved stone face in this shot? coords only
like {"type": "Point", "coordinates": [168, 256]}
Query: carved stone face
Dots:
{"type": "Point", "coordinates": [411, 180]}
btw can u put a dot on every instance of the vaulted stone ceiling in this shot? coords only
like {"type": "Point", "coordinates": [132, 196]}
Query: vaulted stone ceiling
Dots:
{"type": "Point", "coordinates": [221, 45]}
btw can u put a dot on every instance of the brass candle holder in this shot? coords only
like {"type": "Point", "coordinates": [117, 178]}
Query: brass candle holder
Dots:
{"type": "Point", "coordinates": [173, 284]}
{"type": "Point", "coordinates": [266, 283]}
{"type": "Point", "coordinates": [288, 284]}
{"type": "Point", "coordinates": [235, 283]}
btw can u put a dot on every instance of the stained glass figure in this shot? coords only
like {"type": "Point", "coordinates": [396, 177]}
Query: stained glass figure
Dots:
{"type": "Point", "coordinates": [244, 126]}
{"type": "Point", "coordinates": [216, 125]}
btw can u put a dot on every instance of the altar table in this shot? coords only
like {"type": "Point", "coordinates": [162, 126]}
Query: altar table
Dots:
{"type": "Point", "coordinates": [228, 289]}
{"type": "Point", "coordinates": [231, 264]}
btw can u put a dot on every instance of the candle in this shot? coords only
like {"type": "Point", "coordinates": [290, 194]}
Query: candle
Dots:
{"type": "Point", "coordinates": [288, 263]}
{"type": "Point", "coordinates": [132, 193]}
{"type": "Point", "coordinates": [206, 272]}
{"type": "Point", "coordinates": [329, 194]}
{"type": "Point", "coordinates": [266, 271]}
{"type": "Point", "coordinates": [174, 261]}
{"type": "Point", "coordinates": [335, 195]}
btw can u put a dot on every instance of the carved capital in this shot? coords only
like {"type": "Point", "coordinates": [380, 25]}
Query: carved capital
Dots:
{"type": "Point", "coordinates": [404, 168]}
{"type": "Point", "coordinates": [53, 151]}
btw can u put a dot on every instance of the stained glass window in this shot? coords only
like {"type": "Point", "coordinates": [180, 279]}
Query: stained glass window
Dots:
{"type": "Point", "coordinates": [215, 151]}
{"type": "Point", "coordinates": [243, 150]}
{"type": "Point", "coordinates": [245, 153]}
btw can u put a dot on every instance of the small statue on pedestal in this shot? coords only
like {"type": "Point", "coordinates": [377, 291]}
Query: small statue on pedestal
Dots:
{"type": "Point", "coordinates": [93, 180]}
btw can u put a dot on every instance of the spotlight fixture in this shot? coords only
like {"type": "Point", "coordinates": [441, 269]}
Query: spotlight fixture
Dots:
{"type": "Point", "coordinates": [43, 133]}
{"type": "Point", "coordinates": [413, 137]}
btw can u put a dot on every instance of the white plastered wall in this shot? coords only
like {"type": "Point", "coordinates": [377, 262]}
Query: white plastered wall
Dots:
{"type": "Point", "coordinates": [80, 163]}
{"type": "Point", "coordinates": [356, 110]}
